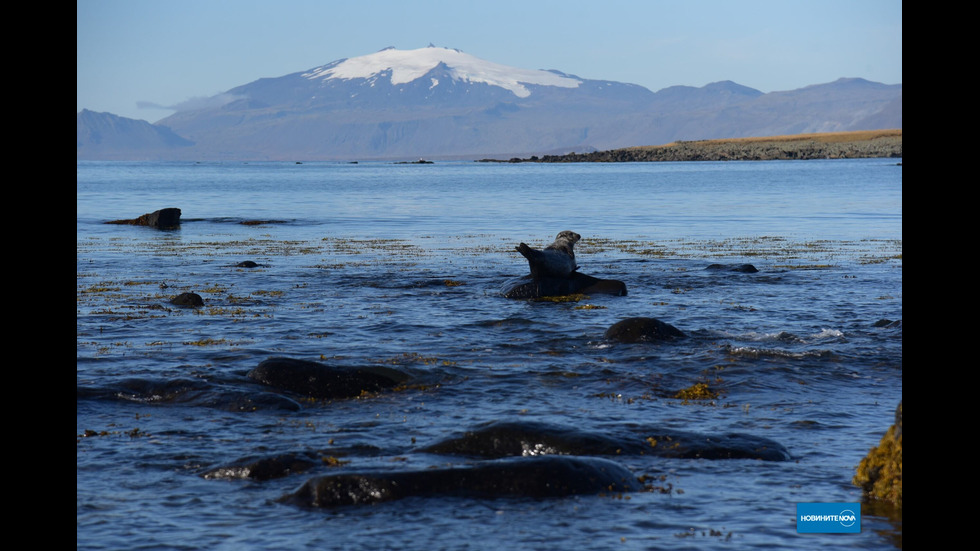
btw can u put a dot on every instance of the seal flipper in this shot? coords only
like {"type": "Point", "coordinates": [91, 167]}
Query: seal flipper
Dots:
{"type": "Point", "coordinates": [534, 258]}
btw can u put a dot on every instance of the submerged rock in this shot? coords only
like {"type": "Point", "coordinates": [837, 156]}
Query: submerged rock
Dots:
{"type": "Point", "coordinates": [164, 219]}
{"type": "Point", "coordinates": [880, 473]}
{"type": "Point", "coordinates": [503, 439]}
{"type": "Point", "coordinates": [188, 392]}
{"type": "Point", "coordinates": [528, 287]}
{"type": "Point", "coordinates": [187, 299]}
{"type": "Point", "coordinates": [532, 477]}
{"type": "Point", "coordinates": [642, 329]}
{"type": "Point", "coordinates": [742, 268]}
{"type": "Point", "coordinates": [321, 381]}
{"type": "Point", "coordinates": [264, 468]}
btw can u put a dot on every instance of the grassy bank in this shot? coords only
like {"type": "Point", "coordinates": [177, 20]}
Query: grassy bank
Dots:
{"type": "Point", "coordinates": [830, 145]}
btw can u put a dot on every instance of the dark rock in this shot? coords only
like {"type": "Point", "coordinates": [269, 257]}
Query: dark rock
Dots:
{"type": "Point", "coordinates": [531, 477]}
{"type": "Point", "coordinates": [247, 264]}
{"type": "Point", "coordinates": [190, 392]}
{"type": "Point", "coordinates": [264, 468]}
{"type": "Point", "coordinates": [322, 381]}
{"type": "Point", "coordinates": [164, 219]}
{"type": "Point", "coordinates": [188, 299]}
{"type": "Point", "coordinates": [887, 323]}
{"type": "Point", "coordinates": [641, 329]}
{"type": "Point", "coordinates": [708, 446]}
{"type": "Point", "coordinates": [528, 287]}
{"type": "Point", "coordinates": [504, 439]}
{"type": "Point", "coordinates": [741, 268]}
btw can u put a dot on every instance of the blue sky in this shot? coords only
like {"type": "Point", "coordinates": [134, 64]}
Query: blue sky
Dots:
{"type": "Point", "coordinates": [165, 52]}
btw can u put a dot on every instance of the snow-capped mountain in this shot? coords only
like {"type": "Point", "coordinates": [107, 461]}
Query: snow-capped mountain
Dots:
{"type": "Point", "coordinates": [440, 103]}
{"type": "Point", "coordinates": [404, 66]}
{"type": "Point", "coordinates": [392, 78]}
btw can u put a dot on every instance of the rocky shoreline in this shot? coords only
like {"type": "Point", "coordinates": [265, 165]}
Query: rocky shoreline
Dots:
{"type": "Point", "coordinates": [835, 145]}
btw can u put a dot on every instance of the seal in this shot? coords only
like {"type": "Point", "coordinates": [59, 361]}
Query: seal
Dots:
{"type": "Point", "coordinates": [555, 260]}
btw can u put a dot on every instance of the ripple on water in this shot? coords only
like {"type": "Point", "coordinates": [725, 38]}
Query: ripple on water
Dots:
{"type": "Point", "coordinates": [790, 353]}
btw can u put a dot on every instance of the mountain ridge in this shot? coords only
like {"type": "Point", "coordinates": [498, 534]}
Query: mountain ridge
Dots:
{"type": "Point", "coordinates": [442, 103]}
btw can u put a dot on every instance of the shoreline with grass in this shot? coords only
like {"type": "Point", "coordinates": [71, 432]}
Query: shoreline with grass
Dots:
{"type": "Point", "coordinates": [829, 145]}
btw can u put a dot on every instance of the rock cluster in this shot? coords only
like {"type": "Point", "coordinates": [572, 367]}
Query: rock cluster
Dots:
{"type": "Point", "coordinates": [504, 459]}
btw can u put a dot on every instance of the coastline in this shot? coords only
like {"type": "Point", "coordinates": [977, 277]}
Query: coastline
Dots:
{"type": "Point", "coordinates": [829, 145]}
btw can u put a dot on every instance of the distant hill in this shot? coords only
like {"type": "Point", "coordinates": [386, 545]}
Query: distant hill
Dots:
{"type": "Point", "coordinates": [109, 137]}
{"type": "Point", "coordinates": [828, 145]}
{"type": "Point", "coordinates": [440, 103]}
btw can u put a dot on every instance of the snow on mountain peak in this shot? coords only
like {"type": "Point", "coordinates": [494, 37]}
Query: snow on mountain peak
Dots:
{"type": "Point", "coordinates": [408, 65]}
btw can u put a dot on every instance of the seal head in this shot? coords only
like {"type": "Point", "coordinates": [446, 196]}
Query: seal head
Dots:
{"type": "Point", "coordinates": [555, 260]}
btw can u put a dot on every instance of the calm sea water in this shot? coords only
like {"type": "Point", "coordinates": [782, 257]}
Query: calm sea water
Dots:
{"type": "Point", "coordinates": [401, 265]}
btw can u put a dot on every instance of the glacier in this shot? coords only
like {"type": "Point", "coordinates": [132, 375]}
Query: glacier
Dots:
{"type": "Point", "coordinates": [408, 65]}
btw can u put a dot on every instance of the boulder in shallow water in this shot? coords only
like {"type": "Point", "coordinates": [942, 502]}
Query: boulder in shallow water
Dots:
{"type": "Point", "coordinates": [188, 299]}
{"type": "Point", "coordinates": [188, 392]}
{"type": "Point", "coordinates": [523, 438]}
{"type": "Point", "coordinates": [741, 268]}
{"type": "Point", "coordinates": [880, 473]}
{"type": "Point", "coordinates": [321, 381]}
{"type": "Point", "coordinates": [642, 329]}
{"type": "Point", "coordinates": [264, 468]}
{"type": "Point", "coordinates": [163, 219]}
{"type": "Point", "coordinates": [576, 283]}
{"type": "Point", "coordinates": [531, 477]}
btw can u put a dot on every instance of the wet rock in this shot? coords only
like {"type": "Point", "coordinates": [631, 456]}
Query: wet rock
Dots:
{"type": "Point", "coordinates": [321, 381]}
{"type": "Point", "coordinates": [189, 392]}
{"type": "Point", "coordinates": [164, 219]}
{"type": "Point", "coordinates": [264, 468]}
{"type": "Point", "coordinates": [247, 264]}
{"type": "Point", "coordinates": [188, 299]}
{"type": "Point", "coordinates": [253, 401]}
{"type": "Point", "coordinates": [532, 477]}
{"type": "Point", "coordinates": [642, 329]}
{"type": "Point", "coordinates": [528, 287]}
{"type": "Point", "coordinates": [684, 445]}
{"type": "Point", "coordinates": [880, 473]}
{"type": "Point", "coordinates": [504, 439]}
{"type": "Point", "coordinates": [741, 268]}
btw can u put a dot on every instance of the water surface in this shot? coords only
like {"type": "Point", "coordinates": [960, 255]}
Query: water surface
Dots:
{"type": "Point", "coordinates": [401, 266]}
